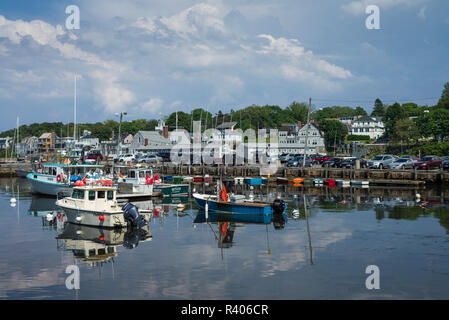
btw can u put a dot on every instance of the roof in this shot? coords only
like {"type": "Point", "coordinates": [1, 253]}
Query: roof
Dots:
{"type": "Point", "coordinates": [154, 137]}
{"type": "Point", "coordinates": [226, 125]}
{"type": "Point", "coordinates": [46, 135]}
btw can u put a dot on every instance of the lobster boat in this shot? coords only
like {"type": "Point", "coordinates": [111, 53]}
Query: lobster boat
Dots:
{"type": "Point", "coordinates": [96, 205]}
{"type": "Point", "coordinates": [54, 179]}
{"type": "Point", "coordinates": [237, 204]}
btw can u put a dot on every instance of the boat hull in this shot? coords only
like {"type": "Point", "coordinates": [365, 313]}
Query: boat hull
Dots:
{"type": "Point", "coordinates": [170, 190]}
{"type": "Point", "coordinates": [233, 207]}
{"type": "Point", "coordinates": [49, 188]}
{"type": "Point", "coordinates": [90, 218]}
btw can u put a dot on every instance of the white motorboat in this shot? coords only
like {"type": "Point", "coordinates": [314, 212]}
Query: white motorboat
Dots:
{"type": "Point", "coordinates": [96, 205]}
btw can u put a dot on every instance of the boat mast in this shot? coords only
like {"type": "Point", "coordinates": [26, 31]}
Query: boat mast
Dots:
{"type": "Point", "coordinates": [74, 113]}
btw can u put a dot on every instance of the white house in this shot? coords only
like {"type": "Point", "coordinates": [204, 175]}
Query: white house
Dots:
{"type": "Point", "coordinates": [4, 143]}
{"type": "Point", "coordinates": [368, 126]}
{"type": "Point", "coordinates": [293, 140]}
{"type": "Point", "coordinates": [149, 142]}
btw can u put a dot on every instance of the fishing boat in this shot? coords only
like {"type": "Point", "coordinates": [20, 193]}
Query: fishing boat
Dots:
{"type": "Point", "coordinates": [96, 205]}
{"type": "Point", "coordinates": [54, 179]}
{"type": "Point", "coordinates": [138, 181]}
{"type": "Point", "coordinates": [168, 190]}
{"type": "Point", "coordinates": [359, 182]}
{"type": "Point", "coordinates": [255, 181]}
{"type": "Point", "coordinates": [237, 204]}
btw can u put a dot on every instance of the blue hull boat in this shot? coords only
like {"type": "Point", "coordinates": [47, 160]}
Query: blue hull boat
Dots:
{"type": "Point", "coordinates": [243, 207]}
{"type": "Point", "coordinates": [255, 181]}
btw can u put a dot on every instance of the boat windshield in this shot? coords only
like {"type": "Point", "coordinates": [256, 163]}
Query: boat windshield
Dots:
{"type": "Point", "coordinates": [110, 195]}
{"type": "Point", "coordinates": [78, 194]}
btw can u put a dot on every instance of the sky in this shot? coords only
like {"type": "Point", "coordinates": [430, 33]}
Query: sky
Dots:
{"type": "Point", "coordinates": [151, 58]}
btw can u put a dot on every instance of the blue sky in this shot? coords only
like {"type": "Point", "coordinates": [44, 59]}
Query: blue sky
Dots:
{"type": "Point", "coordinates": [151, 58]}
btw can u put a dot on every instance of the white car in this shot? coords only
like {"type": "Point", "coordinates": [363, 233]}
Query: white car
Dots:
{"type": "Point", "coordinates": [150, 158]}
{"type": "Point", "coordinates": [127, 157]}
{"type": "Point", "coordinates": [402, 163]}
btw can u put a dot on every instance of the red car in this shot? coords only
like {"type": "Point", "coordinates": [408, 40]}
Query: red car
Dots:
{"type": "Point", "coordinates": [428, 162]}
{"type": "Point", "coordinates": [96, 155]}
{"type": "Point", "coordinates": [321, 159]}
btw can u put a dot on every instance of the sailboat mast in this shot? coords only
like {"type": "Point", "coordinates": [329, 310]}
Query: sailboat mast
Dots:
{"type": "Point", "coordinates": [74, 112]}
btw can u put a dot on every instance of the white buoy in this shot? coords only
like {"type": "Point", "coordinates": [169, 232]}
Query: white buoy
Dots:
{"type": "Point", "coordinates": [418, 197]}
{"type": "Point", "coordinates": [13, 204]}
{"type": "Point", "coordinates": [206, 208]}
{"type": "Point", "coordinates": [78, 219]}
{"type": "Point", "coordinates": [49, 217]}
{"type": "Point", "coordinates": [13, 200]}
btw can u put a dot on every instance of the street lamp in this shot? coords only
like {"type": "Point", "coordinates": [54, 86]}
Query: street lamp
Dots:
{"type": "Point", "coordinates": [119, 140]}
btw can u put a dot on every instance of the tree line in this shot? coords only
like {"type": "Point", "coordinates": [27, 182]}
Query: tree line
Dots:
{"type": "Point", "coordinates": [405, 123]}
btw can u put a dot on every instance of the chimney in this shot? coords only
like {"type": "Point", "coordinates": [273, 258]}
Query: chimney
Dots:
{"type": "Point", "coordinates": [299, 125]}
{"type": "Point", "coordinates": [165, 132]}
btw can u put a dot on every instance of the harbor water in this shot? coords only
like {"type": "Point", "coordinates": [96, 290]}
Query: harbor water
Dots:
{"type": "Point", "coordinates": [320, 250]}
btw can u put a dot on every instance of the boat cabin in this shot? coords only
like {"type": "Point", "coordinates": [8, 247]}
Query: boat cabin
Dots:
{"type": "Point", "coordinates": [136, 175]}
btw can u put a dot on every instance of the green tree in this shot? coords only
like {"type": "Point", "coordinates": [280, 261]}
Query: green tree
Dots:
{"type": "Point", "coordinates": [444, 100]}
{"type": "Point", "coordinates": [406, 130]}
{"type": "Point", "coordinates": [334, 132]}
{"type": "Point", "coordinates": [379, 109]}
{"type": "Point", "coordinates": [394, 113]}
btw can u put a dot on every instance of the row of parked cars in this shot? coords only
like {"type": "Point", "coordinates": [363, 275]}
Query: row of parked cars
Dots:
{"type": "Point", "coordinates": [384, 161]}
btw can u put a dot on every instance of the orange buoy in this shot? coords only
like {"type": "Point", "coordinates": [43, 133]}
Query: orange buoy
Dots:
{"type": "Point", "coordinates": [298, 185]}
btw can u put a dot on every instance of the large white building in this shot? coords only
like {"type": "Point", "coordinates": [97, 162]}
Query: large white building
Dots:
{"type": "Point", "coordinates": [368, 126]}
{"type": "Point", "coordinates": [292, 139]}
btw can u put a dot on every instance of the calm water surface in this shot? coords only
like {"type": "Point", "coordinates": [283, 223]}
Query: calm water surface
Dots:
{"type": "Point", "coordinates": [183, 257]}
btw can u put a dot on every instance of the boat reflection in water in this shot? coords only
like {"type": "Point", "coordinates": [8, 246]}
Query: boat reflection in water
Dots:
{"type": "Point", "coordinates": [98, 245]}
{"type": "Point", "coordinates": [45, 208]}
{"type": "Point", "coordinates": [226, 223]}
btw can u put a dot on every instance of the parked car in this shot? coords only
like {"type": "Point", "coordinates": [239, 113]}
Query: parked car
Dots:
{"type": "Point", "coordinates": [94, 156]}
{"type": "Point", "coordinates": [402, 163]}
{"type": "Point", "coordinates": [321, 158]}
{"type": "Point", "coordinates": [350, 162]}
{"type": "Point", "coordinates": [127, 157]}
{"type": "Point", "coordinates": [332, 163]}
{"type": "Point", "coordinates": [285, 157]}
{"type": "Point", "coordinates": [428, 162]}
{"type": "Point", "coordinates": [297, 161]}
{"type": "Point", "coordinates": [149, 158]}
{"type": "Point", "coordinates": [413, 158]}
{"type": "Point", "coordinates": [445, 163]}
{"type": "Point", "coordinates": [381, 161]}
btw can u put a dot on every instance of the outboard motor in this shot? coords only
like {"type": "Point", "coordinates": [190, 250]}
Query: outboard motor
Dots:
{"type": "Point", "coordinates": [131, 238]}
{"type": "Point", "coordinates": [132, 216]}
{"type": "Point", "coordinates": [278, 206]}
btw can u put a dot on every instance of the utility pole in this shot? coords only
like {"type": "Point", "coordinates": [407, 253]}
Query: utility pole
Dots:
{"type": "Point", "coordinates": [119, 138]}
{"type": "Point", "coordinates": [307, 134]}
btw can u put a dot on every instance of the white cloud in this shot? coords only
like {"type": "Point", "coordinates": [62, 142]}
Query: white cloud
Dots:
{"type": "Point", "coordinates": [358, 7]}
{"type": "Point", "coordinates": [303, 64]}
{"type": "Point", "coordinates": [152, 105]}
{"type": "Point", "coordinates": [422, 13]}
